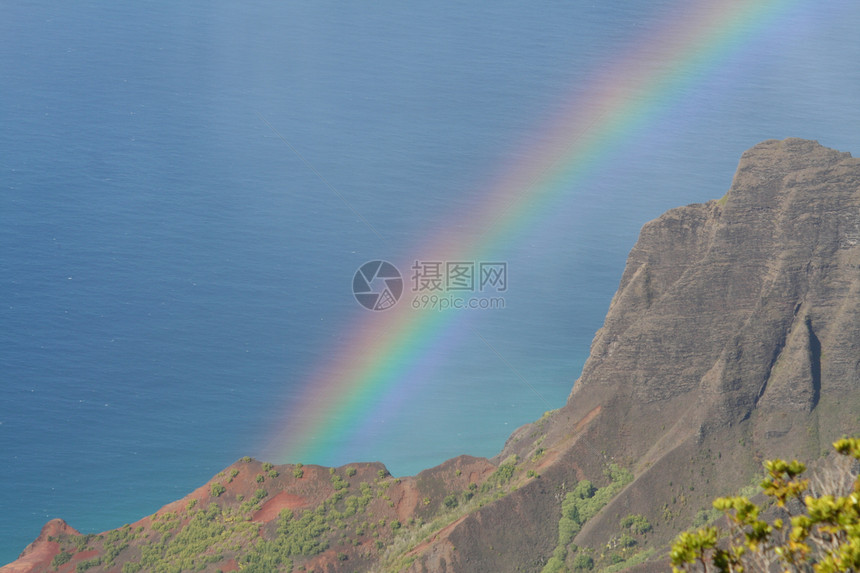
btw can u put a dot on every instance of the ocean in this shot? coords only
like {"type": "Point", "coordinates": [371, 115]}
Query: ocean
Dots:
{"type": "Point", "coordinates": [188, 189]}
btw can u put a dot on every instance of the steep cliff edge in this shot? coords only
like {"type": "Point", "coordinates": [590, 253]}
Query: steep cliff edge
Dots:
{"type": "Point", "coordinates": [734, 336]}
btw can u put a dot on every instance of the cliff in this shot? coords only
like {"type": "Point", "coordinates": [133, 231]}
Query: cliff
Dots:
{"type": "Point", "coordinates": [734, 336]}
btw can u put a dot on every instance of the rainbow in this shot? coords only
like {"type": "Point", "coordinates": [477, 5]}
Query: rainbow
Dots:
{"type": "Point", "coordinates": [616, 104]}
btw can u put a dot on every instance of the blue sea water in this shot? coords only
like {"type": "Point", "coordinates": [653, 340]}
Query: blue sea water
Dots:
{"type": "Point", "coordinates": [172, 271]}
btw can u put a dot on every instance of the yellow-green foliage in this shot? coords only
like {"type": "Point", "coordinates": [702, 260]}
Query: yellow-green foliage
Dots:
{"type": "Point", "coordinates": [823, 536]}
{"type": "Point", "coordinates": [501, 476]}
{"type": "Point", "coordinates": [200, 541]}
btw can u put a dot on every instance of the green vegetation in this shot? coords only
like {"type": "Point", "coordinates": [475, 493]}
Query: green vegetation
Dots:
{"type": "Point", "coordinates": [350, 471]}
{"type": "Point", "coordinates": [502, 475]}
{"type": "Point", "coordinates": [638, 524]}
{"type": "Point", "coordinates": [61, 558]}
{"type": "Point", "coordinates": [821, 532]}
{"type": "Point", "coordinates": [338, 482]}
{"type": "Point", "coordinates": [216, 489]}
{"type": "Point", "coordinates": [583, 562]}
{"type": "Point", "coordinates": [298, 472]}
{"type": "Point", "coordinates": [579, 505]}
{"type": "Point", "coordinates": [88, 564]}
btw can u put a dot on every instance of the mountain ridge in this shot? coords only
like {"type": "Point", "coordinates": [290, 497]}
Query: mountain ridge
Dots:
{"type": "Point", "coordinates": [734, 336]}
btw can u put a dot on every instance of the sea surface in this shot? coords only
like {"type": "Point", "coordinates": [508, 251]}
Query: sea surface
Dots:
{"type": "Point", "coordinates": [184, 191]}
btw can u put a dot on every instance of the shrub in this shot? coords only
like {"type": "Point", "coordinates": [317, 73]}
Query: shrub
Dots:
{"type": "Point", "coordinates": [217, 489]}
{"type": "Point", "coordinates": [339, 483]}
{"type": "Point", "coordinates": [501, 476]}
{"type": "Point", "coordinates": [583, 562]}
{"type": "Point", "coordinates": [822, 532]}
{"type": "Point", "coordinates": [638, 524]}
{"type": "Point", "coordinates": [267, 466]}
{"type": "Point", "coordinates": [350, 471]}
{"type": "Point", "coordinates": [626, 540]}
{"type": "Point", "coordinates": [88, 564]}
{"type": "Point", "coordinates": [450, 501]}
{"type": "Point", "coordinates": [298, 472]}
{"type": "Point", "coordinates": [61, 558]}
{"type": "Point", "coordinates": [260, 478]}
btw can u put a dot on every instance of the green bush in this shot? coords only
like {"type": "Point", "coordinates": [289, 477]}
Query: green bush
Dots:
{"type": "Point", "coordinates": [501, 476]}
{"type": "Point", "coordinates": [88, 564]}
{"type": "Point", "coordinates": [822, 532]}
{"type": "Point", "coordinates": [626, 541]}
{"type": "Point", "coordinates": [450, 501]}
{"type": "Point", "coordinates": [583, 562]}
{"type": "Point", "coordinates": [350, 471]}
{"type": "Point", "coordinates": [638, 524]}
{"type": "Point", "coordinates": [217, 489]}
{"type": "Point", "coordinates": [61, 558]}
{"type": "Point", "coordinates": [338, 482]}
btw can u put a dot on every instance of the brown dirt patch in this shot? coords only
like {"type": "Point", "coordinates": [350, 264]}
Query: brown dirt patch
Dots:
{"type": "Point", "coordinates": [281, 501]}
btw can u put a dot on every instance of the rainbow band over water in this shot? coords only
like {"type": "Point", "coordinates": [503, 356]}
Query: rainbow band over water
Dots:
{"type": "Point", "coordinates": [624, 98]}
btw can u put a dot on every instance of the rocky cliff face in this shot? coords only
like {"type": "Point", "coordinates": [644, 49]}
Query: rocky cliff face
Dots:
{"type": "Point", "coordinates": [734, 336]}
